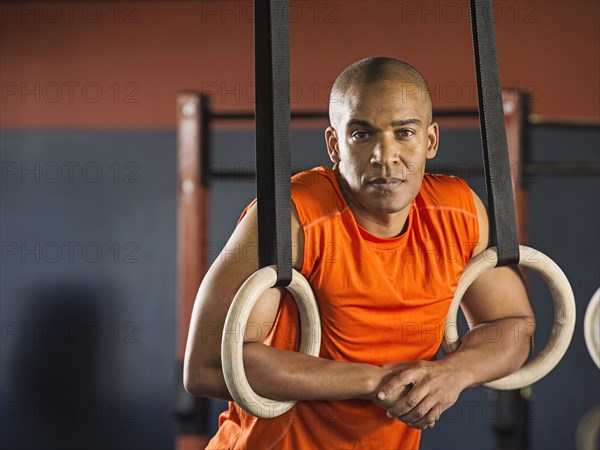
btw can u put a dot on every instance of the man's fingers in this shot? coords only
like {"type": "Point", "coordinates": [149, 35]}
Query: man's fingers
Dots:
{"type": "Point", "coordinates": [429, 419]}
{"type": "Point", "coordinates": [411, 402]}
{"type": "Point", "coordinates": [404, 381]}
{"type": "Point", "coordinates": [420, 417]}
{"type": "Point", "coordinates": [431, 392]}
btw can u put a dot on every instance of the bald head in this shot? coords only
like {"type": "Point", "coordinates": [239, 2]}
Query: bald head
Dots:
{"type": "Point", "coordinates": [375, 70]}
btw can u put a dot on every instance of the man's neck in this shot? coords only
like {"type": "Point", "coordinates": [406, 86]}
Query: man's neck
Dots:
{"type": "Point", "coordinates": [384, 225]}
{"type": "Point", "coordinates": [378, 224]}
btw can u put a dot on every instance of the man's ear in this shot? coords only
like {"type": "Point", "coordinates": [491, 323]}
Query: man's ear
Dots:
{"type": "Point", "coordinates": [433, 139]}
{"type": "Point", "coordinates": [332, 142]}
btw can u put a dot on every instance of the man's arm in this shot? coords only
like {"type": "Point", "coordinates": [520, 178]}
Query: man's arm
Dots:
{"type": "Point", "coordinates": [497, 309]}
{"type": "Point", "coordinates": [272, 373]}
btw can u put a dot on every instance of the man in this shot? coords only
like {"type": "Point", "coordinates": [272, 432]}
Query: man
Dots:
{"type": "Point", "coordinates": [383, 246]}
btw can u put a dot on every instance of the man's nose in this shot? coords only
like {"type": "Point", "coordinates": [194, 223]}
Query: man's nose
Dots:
{"type": "Point", "coordinates": [386, 153]}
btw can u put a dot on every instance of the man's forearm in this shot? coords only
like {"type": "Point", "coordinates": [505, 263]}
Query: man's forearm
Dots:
{"type": "Point", "coordinates": [285, 375]}
{"type": "Point", "coordinates": [492, 350]}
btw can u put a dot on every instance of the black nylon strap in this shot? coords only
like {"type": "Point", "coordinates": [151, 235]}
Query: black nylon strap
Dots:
{"type": "Point", "coordinates": [503, 224]}
{"type": "Point", "coordinates": [273, 143]}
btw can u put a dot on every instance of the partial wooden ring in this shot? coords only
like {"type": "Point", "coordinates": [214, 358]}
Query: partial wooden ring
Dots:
{"type": "Point", "coordinates": [233, 337]}
{"type": "Point", "coordinates": [588, 430]}
{"type": "Point", "coordinates": [564, 314]}
{"type": "Point", "coordinates": [591, 327]}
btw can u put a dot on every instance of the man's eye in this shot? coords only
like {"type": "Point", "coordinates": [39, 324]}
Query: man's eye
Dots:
{"type": "Point", "coordinates": [360, 134]}
{"type": "Point", "coordinates": [405, 133]}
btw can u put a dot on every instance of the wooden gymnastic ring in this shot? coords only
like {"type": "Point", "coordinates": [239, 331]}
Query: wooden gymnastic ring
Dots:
{"type": "Point", "coordinates": [591, 327]}
{"type": "Point", "coordinates": [564, 314]}
{"type": "Point", "coordinates": [233, 337]}
{"type": "Point", "coordinates": [588, 430]}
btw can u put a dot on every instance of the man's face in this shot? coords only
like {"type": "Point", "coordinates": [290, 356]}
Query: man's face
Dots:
{"type": "Point", "coordinates": [381, 140]}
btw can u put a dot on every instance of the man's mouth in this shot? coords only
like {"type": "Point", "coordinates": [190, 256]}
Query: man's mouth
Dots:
{"type": "Point", "coordinates": [386, 183]}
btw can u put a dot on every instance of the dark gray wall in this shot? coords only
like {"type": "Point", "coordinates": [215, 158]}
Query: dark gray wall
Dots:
{"type": "Point", "coordinates": [88, 338]}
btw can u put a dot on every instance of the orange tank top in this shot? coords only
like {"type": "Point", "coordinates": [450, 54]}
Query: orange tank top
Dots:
{"type": "Point", "coordinates": [380, 301]}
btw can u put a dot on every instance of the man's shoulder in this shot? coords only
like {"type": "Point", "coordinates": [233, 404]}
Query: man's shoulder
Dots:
{"type": "Point", "coordinates": [439, 180]}
{"type": "Point", "coordinates": [315, 182]}
{"type": "Point", "coordinates": [446, 190]}
{"type": "Point", "coordinates": [313, 176]}
{"type": "Point", "coordinates": [435, 182]}
{"type": "Point", "coordinates": [316, 194]}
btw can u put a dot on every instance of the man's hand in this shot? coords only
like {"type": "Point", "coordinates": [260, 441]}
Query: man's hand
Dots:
{"type": "Point", "coordinates": [420, 391]}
